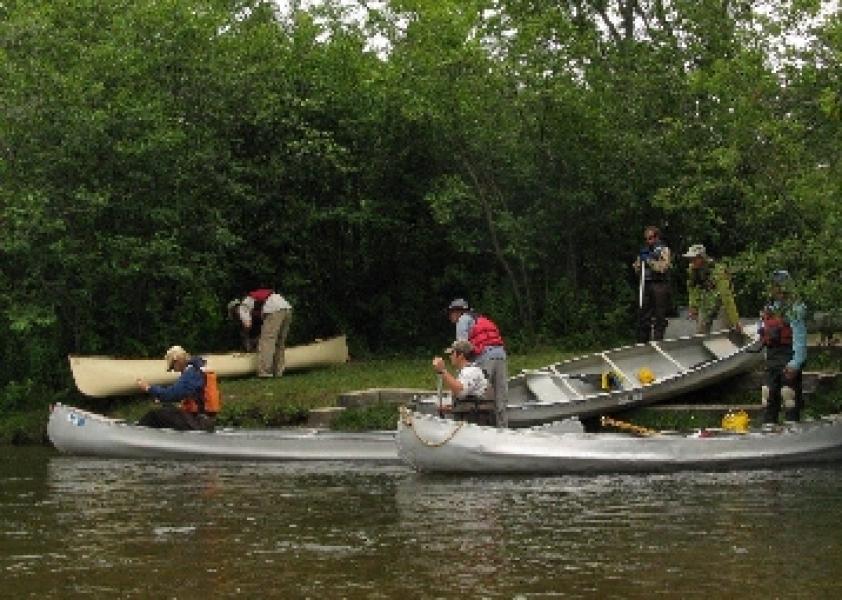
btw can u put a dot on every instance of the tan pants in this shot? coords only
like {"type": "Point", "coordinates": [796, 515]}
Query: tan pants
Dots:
{"type": "Point", "coordinates": [272, 343]}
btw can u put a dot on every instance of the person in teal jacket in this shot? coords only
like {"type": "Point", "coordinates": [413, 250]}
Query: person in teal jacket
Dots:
{"type": "Point", "coordinates": [709, 291]}
{"type": "Point", "coordinates": [783, 330]}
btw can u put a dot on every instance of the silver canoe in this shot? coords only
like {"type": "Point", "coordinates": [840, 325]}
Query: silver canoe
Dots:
{"type": "Point", "coordinates": [430, 444]}
{"type": "Point", "coordinates": [574, 387]}
{"type": "Point", "coordinates": [79, 432]}
{"type": "Point", "coordinates": [101, 376]}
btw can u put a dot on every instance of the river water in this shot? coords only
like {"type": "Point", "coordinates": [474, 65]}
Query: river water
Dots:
{"type": "Point", "coordinates": [88, 528]}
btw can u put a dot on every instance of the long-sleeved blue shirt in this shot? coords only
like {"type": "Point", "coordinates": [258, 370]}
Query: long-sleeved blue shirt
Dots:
{"type": "Point", "coordinates": [189, 384]}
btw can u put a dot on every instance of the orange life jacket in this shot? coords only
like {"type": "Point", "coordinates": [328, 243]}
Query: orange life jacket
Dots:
{"type": "Point", "coordinates": [211, 397]}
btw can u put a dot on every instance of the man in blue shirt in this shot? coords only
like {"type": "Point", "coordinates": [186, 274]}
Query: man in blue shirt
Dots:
{"type": "Point", "coordinates": [188, 391]}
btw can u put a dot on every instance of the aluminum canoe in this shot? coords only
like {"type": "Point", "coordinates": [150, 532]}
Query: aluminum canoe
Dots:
{"type": "Point", "coordinates": [431, 444]}
{"type": "Point", "coordinates": [574, 387]}
{"type": "Point", "coordinates": [101, 376]}
{"type": "Point", "coordinates": [78, 432]}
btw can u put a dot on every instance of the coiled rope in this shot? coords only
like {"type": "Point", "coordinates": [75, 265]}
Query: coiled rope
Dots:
{"type": "Point", "coordinates": [406, 419]}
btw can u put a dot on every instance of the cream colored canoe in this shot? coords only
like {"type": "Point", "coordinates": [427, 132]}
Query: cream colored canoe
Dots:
{"type": "Point", "coordinates": [101, 376]}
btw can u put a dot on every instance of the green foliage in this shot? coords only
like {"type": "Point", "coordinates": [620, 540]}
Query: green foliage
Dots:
{"type": "Point", "coordinates": [829, 402]}
{"type": "Point", "coordinates": [26, 427]}
{"type": "Point", "coordinates": [381, 417]}
{"type": "Point", "coordinates": [684, 421]}
{"type": "Point", "coordinates": [21, 396]}
{"type": "Point", "coordinates": [158, 158]}
{"type": "Point", "coordinates": [242, 415]}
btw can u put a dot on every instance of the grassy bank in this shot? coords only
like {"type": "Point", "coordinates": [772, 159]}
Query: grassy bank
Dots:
{"type": "Point", "coordinates": [253, 402]}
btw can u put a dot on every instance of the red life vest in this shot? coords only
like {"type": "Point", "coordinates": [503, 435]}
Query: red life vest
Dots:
{"type": "Point", "coordinates": [777, 331]}
{"type": "Point", "coordinates": [261, 295]}
{"type": "Point", "coordinates": [484, 333]}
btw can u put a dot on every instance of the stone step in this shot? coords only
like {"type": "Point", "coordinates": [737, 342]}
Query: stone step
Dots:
{"type": "Point", "coordinates": [374, 396]}
{"type": "Point", "coordinates": [324, 416]}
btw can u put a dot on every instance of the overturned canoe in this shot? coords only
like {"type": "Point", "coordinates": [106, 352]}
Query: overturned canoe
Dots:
{"type": "Point", "coordinates": [612, 380]}
{"type": "Point", "coordinates": [431, 444]}
{"type": "Point", "coordinates": [79, 432]}
{"type": "Point", "coordinates": [101, 376]}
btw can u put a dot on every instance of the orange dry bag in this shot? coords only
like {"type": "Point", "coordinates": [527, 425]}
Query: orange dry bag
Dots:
{"type": "Point", "coordinates": [212, 395]}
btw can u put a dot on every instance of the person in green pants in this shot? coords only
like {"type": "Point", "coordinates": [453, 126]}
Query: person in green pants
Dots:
{"type": "Point", "coordinates": [709, 290]}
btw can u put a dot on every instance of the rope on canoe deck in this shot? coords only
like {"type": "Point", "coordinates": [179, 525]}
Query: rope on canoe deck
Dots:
{"type": "Point", "coordinates": [406, 417]}
{"type": "Point", "coordinates": [630, 427]}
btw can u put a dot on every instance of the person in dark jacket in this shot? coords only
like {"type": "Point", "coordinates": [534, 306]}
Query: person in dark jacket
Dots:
{"type": "Point", "coordinates": [188, 391]}
{"type": "Point", "coordinates": [653, 266]}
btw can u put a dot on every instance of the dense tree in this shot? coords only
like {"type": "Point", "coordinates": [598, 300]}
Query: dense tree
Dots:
{"type": "Point", "coordinates": [373, 161]}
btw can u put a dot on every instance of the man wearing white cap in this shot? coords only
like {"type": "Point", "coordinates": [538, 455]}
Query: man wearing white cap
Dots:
{"type": "Point", "coordinates": [489, 350]}
{"type": "Point", "coordinates": [709, 291]}
{"type": "Point", "coordinates": [188, 391]}
{"type": "Point", "coordinates": [468, 386]}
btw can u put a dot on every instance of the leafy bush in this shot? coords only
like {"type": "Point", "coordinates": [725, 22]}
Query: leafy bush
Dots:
{"type": "Point", "coordinates": [380, 417]}
{"type": "Point", "coordinates": [258, 415]}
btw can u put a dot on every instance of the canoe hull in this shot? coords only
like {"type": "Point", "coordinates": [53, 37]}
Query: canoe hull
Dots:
{"type": "Point", "coordinates": [102, 376]}
{"type": "Point", "coordinates": [79, 432]}
{"type": "Point", "coordinates": [681, 382]}
{"type": "Point", "coordinates": [430, 444]}
{"type": "Point", "coordinates": [680, 365]}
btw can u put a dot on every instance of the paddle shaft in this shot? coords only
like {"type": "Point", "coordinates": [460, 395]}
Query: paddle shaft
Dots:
{"type": "Point", "coordinates": [642, 282]}
{"type": "Point", "coordinates": [439, 384]}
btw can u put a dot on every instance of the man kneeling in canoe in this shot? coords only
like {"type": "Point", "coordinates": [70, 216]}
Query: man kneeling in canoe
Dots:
{"type": "Point", "coordinates": [189, 390]}
{"type": "Point", "coordinates": [468, 386]}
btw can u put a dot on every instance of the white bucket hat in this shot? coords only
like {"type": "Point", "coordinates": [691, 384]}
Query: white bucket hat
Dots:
{"type": "Point", "coordinates": [173, 354]}
{"type": "Point", "coordinates": [695, 250]}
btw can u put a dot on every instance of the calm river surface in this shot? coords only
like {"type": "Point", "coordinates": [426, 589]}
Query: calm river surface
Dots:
{"type": "Point", "coordinates": [79, 528]}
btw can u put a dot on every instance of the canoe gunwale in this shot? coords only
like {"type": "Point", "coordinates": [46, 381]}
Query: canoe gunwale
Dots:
{"type": "Point", "coordinates": [76, 431]}
{"type": "Point", "coordinates": [529, 406]}
{"type": "Point", "coordinates": [482, 449]}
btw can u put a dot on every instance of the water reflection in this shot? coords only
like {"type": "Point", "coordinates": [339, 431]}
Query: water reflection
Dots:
{"type": "Point", "coordinates": [110, 528]}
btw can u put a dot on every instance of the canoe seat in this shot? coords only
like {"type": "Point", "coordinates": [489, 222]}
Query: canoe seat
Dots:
{"type": "Point", "coordinates": [474, 410]}
{"type": "Point", "coordinates": [545, 388]}
{"type": "Point", "coordinates": [720, 347]}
